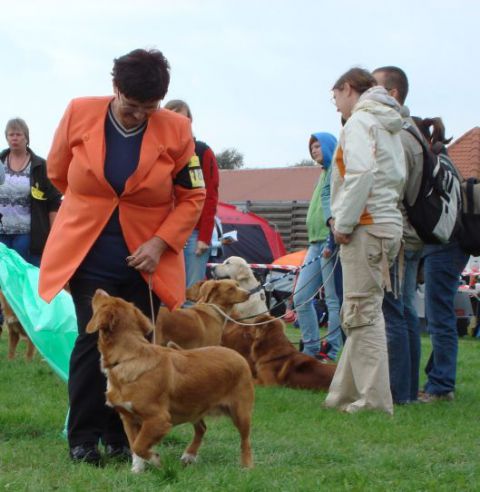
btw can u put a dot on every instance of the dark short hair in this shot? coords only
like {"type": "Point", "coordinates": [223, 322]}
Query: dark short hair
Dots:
{"type": "Point", "coordinates": [358, 78]}
{"type": "Point", "coordinates": [142, 75]}
{"type": "Point", "coordinates": [395, 78]}
{"type": "Point", "coordinates": [19, 125]}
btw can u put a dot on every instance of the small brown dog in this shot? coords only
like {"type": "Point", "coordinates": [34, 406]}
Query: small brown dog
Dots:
{"type": "Point", "coordinates": [200, 325]}
{"type": "Point", "coordinates": [278, 362]}
{"type": "Point", "coordinates": [15, 330]}
{"type": "Point", "coordinates": [154, 388]}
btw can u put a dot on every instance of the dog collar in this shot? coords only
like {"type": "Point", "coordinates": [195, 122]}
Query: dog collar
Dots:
{"type": "Point", "coordinates": [256, 289]}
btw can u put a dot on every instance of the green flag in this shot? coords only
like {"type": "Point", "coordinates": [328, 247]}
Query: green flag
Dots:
{"type": "Point", "coordinates": [51, 327]}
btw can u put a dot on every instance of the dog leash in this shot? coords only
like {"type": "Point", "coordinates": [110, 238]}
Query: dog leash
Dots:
{"type": "Point", "coordinates": [336, 257]}
{"type": "Point", "coordinates": [227, 317]}
{"type": "Point", "coordinates": [152, 309]}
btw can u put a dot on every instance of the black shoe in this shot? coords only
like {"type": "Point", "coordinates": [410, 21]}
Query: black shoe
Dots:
{"type": "Point", "coordinates": [118, 452]}
{"type": "Point", "coordinates": [85, 453]}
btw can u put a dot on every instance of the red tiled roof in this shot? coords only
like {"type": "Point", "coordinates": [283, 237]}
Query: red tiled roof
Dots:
{"type": "Point", "coordinates": [285, 184]}
{"type": "Point", "coordinates": [465, 153]}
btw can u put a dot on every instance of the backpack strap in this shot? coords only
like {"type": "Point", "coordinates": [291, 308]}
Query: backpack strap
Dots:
{"type": "Point", "coordinates": [469, 193]}
{"type": "Point", "coordinates": [408, 127]}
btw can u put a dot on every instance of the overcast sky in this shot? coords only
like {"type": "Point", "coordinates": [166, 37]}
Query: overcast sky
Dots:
{"type": "Point", "coordinates": [257, 74]}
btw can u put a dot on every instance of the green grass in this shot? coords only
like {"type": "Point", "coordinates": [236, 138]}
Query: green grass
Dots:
{"type": "Point", "coordinates": [298, 445]}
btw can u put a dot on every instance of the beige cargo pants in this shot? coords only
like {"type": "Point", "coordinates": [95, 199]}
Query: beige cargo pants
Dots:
{"type": "Point", "coordinates": [361, 380]}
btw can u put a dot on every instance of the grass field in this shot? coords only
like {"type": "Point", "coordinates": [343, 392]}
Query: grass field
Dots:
{"type": "Point", "coordinates": [298, 445]}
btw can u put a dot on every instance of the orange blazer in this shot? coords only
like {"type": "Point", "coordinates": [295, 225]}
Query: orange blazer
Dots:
{"type": "Point", "coordinates": [150, 204]}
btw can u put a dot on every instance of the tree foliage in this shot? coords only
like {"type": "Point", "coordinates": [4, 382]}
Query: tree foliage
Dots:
{"type": "Point", "coordinates": [229, 159]}
{"type": "Point", "coordinates": [304, 163]}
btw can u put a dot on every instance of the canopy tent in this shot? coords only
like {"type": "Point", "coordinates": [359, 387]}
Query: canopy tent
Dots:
{"type": "Point", "coordinates": [292, 259]}
{"type": "Point", "coordinates": [258, 242]}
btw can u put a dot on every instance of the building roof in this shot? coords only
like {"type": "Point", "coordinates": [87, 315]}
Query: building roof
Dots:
{"type": "Point", "coordinates": [465, 153]}
{"type": "Point", "coordinates": [283, 184]}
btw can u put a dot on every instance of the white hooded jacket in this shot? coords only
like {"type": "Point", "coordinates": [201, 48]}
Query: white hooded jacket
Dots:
{"type": "Point", "coordinates": [369, 175]}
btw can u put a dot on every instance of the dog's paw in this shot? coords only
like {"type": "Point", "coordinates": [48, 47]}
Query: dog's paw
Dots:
{"type": "Point", "coordinates": [188, 458]}
{"type": "Point", "coordinates": [138, 464]}
{"type": "Point", "coordinates": [155, 460]}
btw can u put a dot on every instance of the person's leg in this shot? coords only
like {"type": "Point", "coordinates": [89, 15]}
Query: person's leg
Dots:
{"type": "Point", "coordinates": [397, 339]}
{"type": "Point", "coordinates": [86, 383]}
{"type": "Point", "coordinates": [334, 337]}
{"type": "Point", "coordinates": [198, 268]}
{"type": "Point", "coordinates": [309, 281]}
{"type": "Point", "coordinates": [443, 266]}
{"type": "Point", "coordinates": [364, 261]}
{"type": "Point", "coordinates": [195, 266]}
{"type": "Point", "coordinates": [343, 390]}
{"type": "Point", "coordinates": [412, 259]}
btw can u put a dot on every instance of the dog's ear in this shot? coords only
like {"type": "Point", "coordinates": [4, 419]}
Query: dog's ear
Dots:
{"type": "Point", "coordinates": [206, 290]}
{"type": "Point", "coordinates": [243, 273]}
{"type": "Point", "coordinates": [193, 292]}
{"type": "Point", "coordinates": [101, 292]}
{"type": "Point", "coordinates": [143, 322]}
{"type": "Point", "coordinates": [103, 318]}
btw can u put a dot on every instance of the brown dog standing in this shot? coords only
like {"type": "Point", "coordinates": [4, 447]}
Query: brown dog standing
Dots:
{"type": "Point", "coordinates": [200, 325]}
{"type": "Point", "coordinates": [278, 362]}
{"type": "Point", "coordinates": [154, 388]}
{"type": "Point", "coordinates": [15, 330]}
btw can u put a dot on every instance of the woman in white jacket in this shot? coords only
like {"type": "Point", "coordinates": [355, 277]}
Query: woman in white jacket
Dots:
{"type": "Point", "coordinates": [367, 181]}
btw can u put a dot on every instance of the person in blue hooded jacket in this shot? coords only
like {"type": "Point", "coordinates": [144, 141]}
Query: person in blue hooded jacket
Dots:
{"type": "Point", "coordinates": [320, 270]}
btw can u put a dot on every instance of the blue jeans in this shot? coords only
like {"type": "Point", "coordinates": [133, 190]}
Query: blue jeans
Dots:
{"type": "Point", "coordinates": [195, 266]}
{"type": "Point", "coordinates": [443, 266]}
{"type": "Point", "coordinates": [309, 281]}
{"type": "Point", "coordinates": [403, 331]}
{"type": "Point", "coordinates": [21, 244]}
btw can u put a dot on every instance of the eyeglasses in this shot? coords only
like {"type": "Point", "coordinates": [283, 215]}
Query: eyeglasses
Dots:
{"type": "Point", "coordinates": [131, 106]}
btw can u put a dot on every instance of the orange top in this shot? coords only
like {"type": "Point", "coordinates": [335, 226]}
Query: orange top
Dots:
{"type": "Point", "coordinates": [150, 205]}
{"type": "Point", "coordinates": [366, 218]}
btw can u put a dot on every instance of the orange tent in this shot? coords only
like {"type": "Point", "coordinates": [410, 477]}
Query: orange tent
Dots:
{"type": "Point", "coordinates": [294, 259]}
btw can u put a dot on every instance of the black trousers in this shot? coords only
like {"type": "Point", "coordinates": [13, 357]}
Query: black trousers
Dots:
{"type": "Point", "coordinates": [90, 420]}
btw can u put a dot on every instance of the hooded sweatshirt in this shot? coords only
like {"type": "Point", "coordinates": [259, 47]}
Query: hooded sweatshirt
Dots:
{"type": "Point", "coordinates": [369, 175]}
{"type": "Point", "coordinates": [319, 209]}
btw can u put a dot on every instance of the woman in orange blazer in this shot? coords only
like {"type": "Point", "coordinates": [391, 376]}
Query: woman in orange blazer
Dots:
{"type": "Point", "coordinates": [133, 192]}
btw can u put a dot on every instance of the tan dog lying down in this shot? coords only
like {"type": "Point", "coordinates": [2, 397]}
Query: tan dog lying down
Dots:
{"type": "Point", "coordinates": [15, 330]}
{"type": "Point", "coordinates": [200, 325]}
{"type": "Point", "coordinates": [154, 388]}
{"type": "Point", "coordinates": [238, 269]}
{"type": "Point", "coordinates": [278, 362]}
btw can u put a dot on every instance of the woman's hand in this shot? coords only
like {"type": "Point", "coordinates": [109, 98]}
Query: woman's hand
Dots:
{"type": "Point", "coordinates": [201, 248]}
{"type": "Point", "coordinates": [327, 252]}
{"type": "Point", "coordinates": [146, 257]}
{"type": "Point", "coordinates": [341, 238]}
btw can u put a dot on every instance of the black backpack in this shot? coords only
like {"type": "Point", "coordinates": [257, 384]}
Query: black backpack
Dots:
{"type": "Point", "coordinates": [436, 213]}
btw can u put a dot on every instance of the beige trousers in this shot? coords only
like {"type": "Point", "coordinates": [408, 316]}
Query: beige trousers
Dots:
{"type": "Point", "coordinates": [361, 380]}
